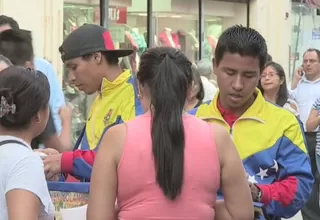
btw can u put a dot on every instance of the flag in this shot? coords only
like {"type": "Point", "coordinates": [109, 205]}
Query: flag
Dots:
{"type": "Point", "coordinates": [313, 3]}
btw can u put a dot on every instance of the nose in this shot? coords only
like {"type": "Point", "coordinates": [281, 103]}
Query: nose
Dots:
{"type": "Point", "coordinates": [237, 84]}
{"type": "Point", "coordinates": [71, 76]}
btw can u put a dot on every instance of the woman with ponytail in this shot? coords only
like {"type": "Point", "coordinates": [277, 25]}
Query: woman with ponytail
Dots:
{"type": "Point", "coordinates": [167, 164]}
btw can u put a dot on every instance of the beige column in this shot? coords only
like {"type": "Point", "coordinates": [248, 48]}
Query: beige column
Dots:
{"type": "Point", "coordinates": [45, 19]}
{"type": "Point", "coordinates": [272, 18]}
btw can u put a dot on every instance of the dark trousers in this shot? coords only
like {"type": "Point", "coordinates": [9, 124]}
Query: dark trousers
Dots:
{"type": "Point", "coordinates": [311, 210]}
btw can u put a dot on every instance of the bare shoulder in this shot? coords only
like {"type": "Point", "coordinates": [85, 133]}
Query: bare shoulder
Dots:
{"type": "Point", "coordinates": [115, 134]}
{"type": "Point", "coordinates": [220, 133]}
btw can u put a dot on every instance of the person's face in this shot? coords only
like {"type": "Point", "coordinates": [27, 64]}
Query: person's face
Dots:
{"type": "Point", "coordinates": [84, 73]}
{"type": "Point", "coordinates": [237, 78]}
{"type": "Point", "coordinates": [41, 120]}
{"type": "Point", "coordinates": [311, 64]}
{"type": "Point", "coordinates": [270, 80]}
{"type": "Point", "coordinates": [4, 27]}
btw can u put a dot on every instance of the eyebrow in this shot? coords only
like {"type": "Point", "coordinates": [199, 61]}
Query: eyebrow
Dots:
{"type": "Point", "coordinates": [69, 64]}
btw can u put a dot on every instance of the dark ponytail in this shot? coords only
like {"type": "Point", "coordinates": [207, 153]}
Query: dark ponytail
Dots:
{"type": "Point", "coordinates": [169, 84]}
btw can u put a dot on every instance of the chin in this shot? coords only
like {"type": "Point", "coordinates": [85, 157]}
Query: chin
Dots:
{"type": "Point", "coordinates": [87, 91]}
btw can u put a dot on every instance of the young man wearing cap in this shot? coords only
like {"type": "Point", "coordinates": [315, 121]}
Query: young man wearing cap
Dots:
{"type": "Point", "coordinates": [92, 63]}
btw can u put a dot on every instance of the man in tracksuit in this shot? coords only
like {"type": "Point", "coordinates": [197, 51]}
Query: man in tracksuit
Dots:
{"type": "Point", "coordinates": [92, 63]}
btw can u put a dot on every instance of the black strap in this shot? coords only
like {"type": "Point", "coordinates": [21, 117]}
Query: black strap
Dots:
{"type": "Point", "coordinates": [12, 142]}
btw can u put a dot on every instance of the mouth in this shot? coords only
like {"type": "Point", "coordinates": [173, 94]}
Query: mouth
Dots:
{"type": "Point", "coordinates": [79, 87]}
{"type": "Point", "coordinates": [235, 97]}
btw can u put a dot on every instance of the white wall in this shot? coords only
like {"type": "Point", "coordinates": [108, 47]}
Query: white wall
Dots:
{"type": "Point", "coordinates": [269, 18]}
{"type": "Point", "coordinates": [45, 19]}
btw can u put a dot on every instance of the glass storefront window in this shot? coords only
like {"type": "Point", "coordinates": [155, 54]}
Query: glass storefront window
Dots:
{"type": "Point", "coordinates": [175, 24]}
{"type": "Point", "coordinates": [305, 33]}
{"type": "Point", "coordinates": [128, 27]}
{"type": "Point", "coordinates": [76, 15]}
{"type": "Point", "coordinates": [218, 16]}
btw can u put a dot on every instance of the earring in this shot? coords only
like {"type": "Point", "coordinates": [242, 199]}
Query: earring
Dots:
{"type": "Point", "coordinates": [139, 96]}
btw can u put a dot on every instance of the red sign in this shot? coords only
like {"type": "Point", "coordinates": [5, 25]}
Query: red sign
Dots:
{"type": "Point", "coordinates": [116, 15]}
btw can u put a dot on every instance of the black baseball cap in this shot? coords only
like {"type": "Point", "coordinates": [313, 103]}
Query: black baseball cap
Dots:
{"type": "Point", "coordinates": [87, 39]}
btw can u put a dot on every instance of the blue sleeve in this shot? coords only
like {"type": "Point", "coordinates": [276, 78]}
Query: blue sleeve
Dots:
{"type": "Point", "coordinates": [56, 100]}
{"type": "Point", "coordinates": [79, 162]}
{"type": "Point", "coordinates": [288, 195]}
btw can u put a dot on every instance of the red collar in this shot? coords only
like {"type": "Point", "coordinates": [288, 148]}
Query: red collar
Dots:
{"type": "Point", "coordinates": [227, 115]}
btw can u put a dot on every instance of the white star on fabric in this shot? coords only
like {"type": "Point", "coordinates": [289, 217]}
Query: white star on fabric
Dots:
{"type": "Point", "coordinates": [262, 173]}
{"type": "Point", "coordinates": [252, 179]}
{"type": "Point", "coordinates": [275, 166]}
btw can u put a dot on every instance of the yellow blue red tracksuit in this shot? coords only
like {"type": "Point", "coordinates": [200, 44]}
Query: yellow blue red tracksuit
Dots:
{"type": "Point", "coordinates": [271, 143]}
{"type": "Point", "coordinates": [117, 102]}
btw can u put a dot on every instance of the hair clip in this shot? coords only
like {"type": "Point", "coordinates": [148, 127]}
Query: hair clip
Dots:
{"type": "Point", "coordinates": [5, 108]}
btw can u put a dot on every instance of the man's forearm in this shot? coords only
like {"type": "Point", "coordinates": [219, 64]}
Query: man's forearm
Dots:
{"type": "Point", "coordinates": [65, 136]}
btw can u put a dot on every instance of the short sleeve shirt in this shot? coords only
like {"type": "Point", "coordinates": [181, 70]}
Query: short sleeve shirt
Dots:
{"type": "Point", "coordinates": [21, 168]}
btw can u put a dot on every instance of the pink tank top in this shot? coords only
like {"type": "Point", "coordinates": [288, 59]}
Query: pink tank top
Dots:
{"type": "Point", "coordinates": [139, 196]}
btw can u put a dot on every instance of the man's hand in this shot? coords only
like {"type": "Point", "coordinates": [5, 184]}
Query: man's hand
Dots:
{"type": "Point", "coordinates": [52, 165]}
{"type": "Point", "coordinates": [298, 74]}
{"type": "Point", "coordinates": [254, 191]}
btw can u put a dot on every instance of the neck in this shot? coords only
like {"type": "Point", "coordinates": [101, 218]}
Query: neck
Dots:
{"type": "Point", "coordinates": [24, 135]}
{"type": "Point", "coordinates": [191, 104]}
{"type": "Point", "coordinates": [112, 73]}
{"type": "Point", "coordinates": [271, 96]}
{"type": "Point", "coordinates": [312, 77]}
{"type": "Point", "coordinates": [239, 110]}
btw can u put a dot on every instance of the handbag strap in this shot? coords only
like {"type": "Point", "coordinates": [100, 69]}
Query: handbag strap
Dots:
{"type": "Point", "coordinates": [12, 142]}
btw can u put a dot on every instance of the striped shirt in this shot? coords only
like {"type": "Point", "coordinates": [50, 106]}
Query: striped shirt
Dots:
{"type": "Point", "coordinates": [316, 106]}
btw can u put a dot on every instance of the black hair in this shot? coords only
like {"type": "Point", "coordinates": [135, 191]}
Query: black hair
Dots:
{"type": "Point", "coordinates": [5, 20]}
{"type": "Point", "coordinates": [198, 82]}
{"type": "Point", "coordinates": [313, 50]}
{"type": "Point", "coordinates": [243, 41]}
{"type": "Point", "coordinates": [283, 90]}
{"type": "Point", "coordinates": [269, 58]}
{"type": "Point", "coordinates": [28, 90]}
{"type": "Point", "coordinates": [167, 73]}
{"type": "Point", "coordinates": [16, 45]}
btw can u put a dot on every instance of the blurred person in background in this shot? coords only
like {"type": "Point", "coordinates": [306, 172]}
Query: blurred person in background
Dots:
{"type": "Point", "coordinates": [171, 173]}
{"type": "Point", "coordinates": [24, 112]}
{"type": "Point", "coordinates": [312, 124]}
{"type": "Point", "coordinates": [205, 69]}
{"type": "Point", "coordinates": [60, 112]}
{"type": "Point", "coordinates": [273, 86]}
{"type": "Point", "coordinates": [306, 91]}
{"type": "Point", "coordinates": [196, 95]}
{"type": "Point", "coordinates": [16, 45]}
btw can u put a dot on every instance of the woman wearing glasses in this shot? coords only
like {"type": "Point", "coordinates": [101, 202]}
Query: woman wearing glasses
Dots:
{"type": "Point", "coordinates": [273, 86]}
